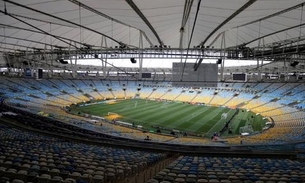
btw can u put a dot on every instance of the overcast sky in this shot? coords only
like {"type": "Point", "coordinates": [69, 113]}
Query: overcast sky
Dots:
{"type": "Point", "coordinates": [161, 63]}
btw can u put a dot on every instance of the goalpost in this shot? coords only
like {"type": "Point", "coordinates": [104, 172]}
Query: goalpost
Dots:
{"type": "Point", "coordinates": [224, 115]}
{"type": "Point", "coordinates": [246, 129]}
{"type": "Point", "coordinates": [112, 114]}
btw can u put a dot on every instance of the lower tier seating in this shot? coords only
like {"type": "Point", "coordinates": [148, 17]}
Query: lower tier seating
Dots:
{"type": "Point", "coordinates": [190, 169]}
{"type": "Point", "coordinates": [31, 157]}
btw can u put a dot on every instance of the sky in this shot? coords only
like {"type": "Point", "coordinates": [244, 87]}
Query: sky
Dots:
{"type": "Point", "coordinates": [161, 63]}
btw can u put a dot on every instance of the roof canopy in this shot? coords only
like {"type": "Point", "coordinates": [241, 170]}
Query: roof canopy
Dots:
{"type": "Point", "coordinates": [50, 24]}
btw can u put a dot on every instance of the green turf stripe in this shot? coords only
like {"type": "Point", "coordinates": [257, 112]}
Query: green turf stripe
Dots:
{"type": "Point", "coordinates": [156, 111]}
{"type": "Point", "coordinates": [179, 116]}
{"type": "Point", "coordinates": [204, 117]}
{"type": "Point", "coordinates": [183, 122]}
{"type": "Point", "coordinates": [240, 121]}
{"type": "Point", "coordinates": [103, 106]}
{"type": "Point", "coordinates": [160, 114]}
{"type": "Point", "coordinates": [221, 123]}
{"type": "Point", "coordinates": [134, 108]}
{"type": "Point", "coordinates": [210, 120]}
{"type": "Point", "coordinates": [258, 123]}
{"type": "Point", "coordinates": [141, 112]}
{"type": "Point", "coordinates": [103, 109]}
{"type": "Point", "coordinates": [122, 106]}
{"type": "Point", "coordinates": [235, 122]}
{"type": "Point", "coordinates": [195, 121]}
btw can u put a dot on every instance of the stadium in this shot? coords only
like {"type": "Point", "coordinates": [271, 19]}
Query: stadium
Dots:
{"type": "Point", "coordinates": [175, 91]}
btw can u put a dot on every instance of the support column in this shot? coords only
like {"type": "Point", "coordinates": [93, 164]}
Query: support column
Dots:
{"type": "Point", "coordinates": [21, 67]}
{"type": "Point", "coordinates": [286, 65]}
{"type": "Point", "coordinates": [181, 49]}
{"type": "Point", "coordinates": [29, 63]}
{"type": "Point", "coordinates": [74, 71]}
{"type": "Point", "coordinates": [104, 57]}
{"type": "Point", "coordinates": [37, 67]}
{"type": "Point", "coordinates": [74, 68]}
{"type": "Point", "coordinates": [15, 63]}
{"type": "Point", "coordinates": [52, 55]}
{"type": "Point", "coordinates": [285, 70]}
{"type": "Point", "coordinates": [262, 61]}
{"type": "Point", "coordinates": [288, 69]}
{"type": "Point", "coordinates": [52, 59]}
{"type": "Point", "coordinates": [45, 58]}
{"type": "Point", "coordinates": [222, 55]}
{"type": "Point", "coordinates": [140, 55]}
{"type": "Point", "coordinates": [259, 74]}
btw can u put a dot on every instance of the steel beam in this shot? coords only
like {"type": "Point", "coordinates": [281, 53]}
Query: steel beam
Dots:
{"type": "Point", "coordinates": [78, 3]}
{"type": "Point", "coordinates": [142, 16]}
{"type": "Point", "coordinates": [61, 19]}
{"type": "Point", "coordinates": [245, 6]}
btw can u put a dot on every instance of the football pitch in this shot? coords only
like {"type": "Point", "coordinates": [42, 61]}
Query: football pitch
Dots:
{"type": "Point", "coordinates": [184, 117]}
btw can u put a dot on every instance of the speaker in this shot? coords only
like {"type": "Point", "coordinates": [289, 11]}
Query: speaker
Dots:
{"type": "Point", "coordinates": [62, 61]}
{"type": "Point", "coordinates": [40, 73]}
{"type": "Point", "coordinates": [133, 60]}
{"type": "Point", "coordinates": [293, 64]}
{"type": "Point", "coordinates": [219, 61]}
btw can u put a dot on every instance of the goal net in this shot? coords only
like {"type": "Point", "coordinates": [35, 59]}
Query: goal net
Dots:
{"type": "Point", "coordinates": [246, 129]}
{"type": "Point", "coordinates": [224, 115]}
{"type": "Point", "coordinates": [112, 115]}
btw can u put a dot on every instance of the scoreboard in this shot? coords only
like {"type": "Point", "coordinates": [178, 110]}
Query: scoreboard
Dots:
{"type": "Point", "coordinates": [205, 76]}
{"type": "Point", "coordinates": [239, 77]}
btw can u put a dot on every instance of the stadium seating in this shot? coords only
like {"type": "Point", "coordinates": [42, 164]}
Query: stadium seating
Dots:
{"type": "Point", "coordinates": [221, 98]}
{"type": "Point", "coordinates": [49, 96]}
{"type": "Point", "coordinates": [205, 96]}
{"type": "Point", "coordinates": [190, 169]}
{"type": "Point", "coordinates": [173, 94]}
{"type": "Point", "coordinates": [30, 157]}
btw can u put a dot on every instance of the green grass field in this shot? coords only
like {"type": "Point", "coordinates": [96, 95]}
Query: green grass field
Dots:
{"type": "Point", "coordinates": [173, 115]}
